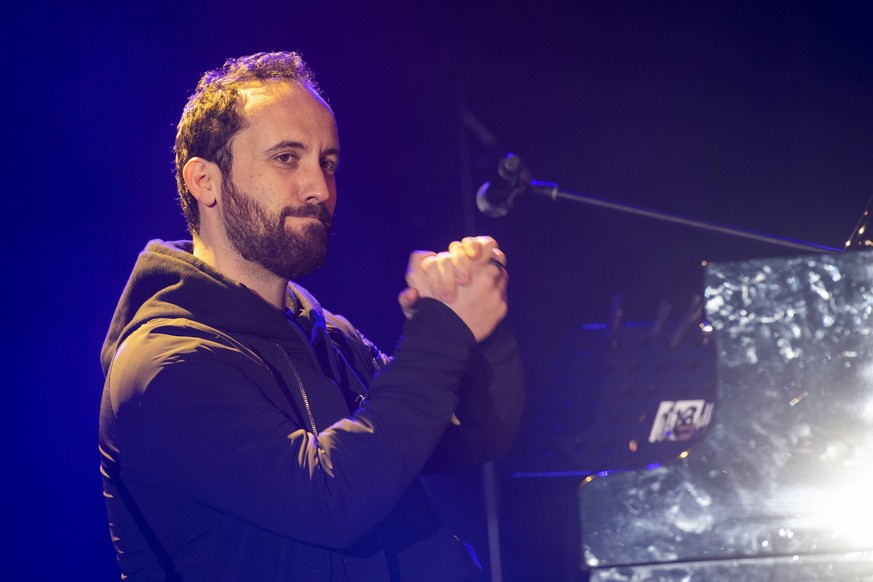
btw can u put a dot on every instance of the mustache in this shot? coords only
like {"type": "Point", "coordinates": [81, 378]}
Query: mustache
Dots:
{"type": "Point", "coordinates": [318, 211]}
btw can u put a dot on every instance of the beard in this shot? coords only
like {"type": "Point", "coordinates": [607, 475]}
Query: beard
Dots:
{"type": "Point", "coordinates": [262, 237]}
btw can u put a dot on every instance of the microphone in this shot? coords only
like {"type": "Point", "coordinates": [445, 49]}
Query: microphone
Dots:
{"type": "Point", "coordinates": [495, 197]}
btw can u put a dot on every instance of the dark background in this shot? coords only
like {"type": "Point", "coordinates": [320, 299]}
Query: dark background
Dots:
{"type": "Point", "coordinates": [750, 114]}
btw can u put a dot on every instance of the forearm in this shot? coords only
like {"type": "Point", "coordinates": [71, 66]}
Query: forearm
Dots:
{"type": "Point", "coordinates": [490, 406]}
{"type": "Point", "coordinates": [406, 411]}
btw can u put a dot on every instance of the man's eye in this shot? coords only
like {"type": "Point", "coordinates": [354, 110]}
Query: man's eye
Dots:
{"type": "Point", "coordinates": [285, 158]}
{"type": "Point", "coordinates": [329, 165]}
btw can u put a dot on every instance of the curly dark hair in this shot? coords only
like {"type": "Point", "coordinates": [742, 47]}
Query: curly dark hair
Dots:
{"type": "Point", "coordinates": [212, 115]}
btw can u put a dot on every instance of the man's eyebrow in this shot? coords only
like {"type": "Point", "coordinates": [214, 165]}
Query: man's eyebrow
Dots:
{"type": "Point", "coordinates": [296, 145]}
{"type": "Point", "coordinates": [286, 144]}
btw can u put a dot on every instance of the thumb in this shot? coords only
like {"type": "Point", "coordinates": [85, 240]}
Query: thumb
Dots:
{"type": "Point", "coordinates": [408, 299]}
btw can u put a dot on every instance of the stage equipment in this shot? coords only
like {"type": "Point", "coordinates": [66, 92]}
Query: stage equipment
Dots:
{"type": "Point", "coordinates": [624, 396]}
{"type": "Point", "coordinates": [779, 486]}
{"type": "Point", "coordinates": [495, 198]}
{"type": "Point", "coordinates": [729, 445]}
{"type": "Point", "coordinates": [861, 237]}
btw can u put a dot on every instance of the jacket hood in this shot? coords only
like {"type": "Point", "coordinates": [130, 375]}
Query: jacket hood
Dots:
{"type": "Point", "coordinates": [168, 281]}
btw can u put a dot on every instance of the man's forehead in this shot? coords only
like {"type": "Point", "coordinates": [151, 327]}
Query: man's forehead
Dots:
{"type": "Point", "coordinates": [255, 96]}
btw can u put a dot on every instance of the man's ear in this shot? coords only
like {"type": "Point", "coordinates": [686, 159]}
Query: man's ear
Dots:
{"type": "Point", "coordinates": [203, 179]}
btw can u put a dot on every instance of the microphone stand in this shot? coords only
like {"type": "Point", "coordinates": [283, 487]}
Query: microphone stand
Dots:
{"type": "Point", "coordinates": [553, 191]}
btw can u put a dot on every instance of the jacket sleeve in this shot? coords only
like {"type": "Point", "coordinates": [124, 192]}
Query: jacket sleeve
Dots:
{"type": "Point", "coordinates": [189, 416]}
{"type": "Point", "coordinates": [490, 406]}
{"type": "Point", "coordinates": [491, 398]}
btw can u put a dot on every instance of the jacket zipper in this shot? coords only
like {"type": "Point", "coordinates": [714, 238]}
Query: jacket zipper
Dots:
{"type": "Point", "coordinates": [359, 399]}
{"type": "Point", "coordinates": [311, 423]}
{"type": "Point", "coordinates": [301, 388]}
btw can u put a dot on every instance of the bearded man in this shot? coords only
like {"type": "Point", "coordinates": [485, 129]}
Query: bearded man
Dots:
{"type": "Point", "coordinates": [245, 432]}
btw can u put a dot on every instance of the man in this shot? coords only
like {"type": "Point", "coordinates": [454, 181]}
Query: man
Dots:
{"type": "Point", "coordinates": [245, 432]}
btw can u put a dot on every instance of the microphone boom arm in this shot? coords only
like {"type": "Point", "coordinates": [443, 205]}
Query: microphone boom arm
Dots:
{"type": "Point", "coordinates": [551, 190]}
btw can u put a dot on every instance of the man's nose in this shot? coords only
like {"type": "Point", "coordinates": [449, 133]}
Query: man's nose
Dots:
{"type": "Point", "coordinates": [315, 187]}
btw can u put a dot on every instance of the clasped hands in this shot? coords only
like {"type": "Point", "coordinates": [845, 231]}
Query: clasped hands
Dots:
{"type": "Point", "coordinates": [470, 278]}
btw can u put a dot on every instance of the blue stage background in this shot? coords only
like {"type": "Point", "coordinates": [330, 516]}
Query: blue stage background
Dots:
{"type": "Point", "coordinates": [750, 114]}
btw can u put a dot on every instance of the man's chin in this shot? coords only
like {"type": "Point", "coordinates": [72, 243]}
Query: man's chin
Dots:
{"type": "Point", "coordinates": [307, 226]}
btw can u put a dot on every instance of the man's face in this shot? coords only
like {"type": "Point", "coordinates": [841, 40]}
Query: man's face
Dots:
{"type": "Point", "coordinates": [281, 194]}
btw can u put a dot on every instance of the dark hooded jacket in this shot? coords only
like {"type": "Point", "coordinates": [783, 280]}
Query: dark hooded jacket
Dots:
{"type": "Point", "coordinates": [242, 443]}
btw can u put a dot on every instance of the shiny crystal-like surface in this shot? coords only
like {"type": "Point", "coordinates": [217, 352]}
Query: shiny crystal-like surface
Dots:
{"type": "Point", "coordinates": [786, 467]}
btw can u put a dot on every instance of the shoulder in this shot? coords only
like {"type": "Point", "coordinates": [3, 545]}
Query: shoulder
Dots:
{"type": "Point", "coordinates": [180, 349]}
{"type": "Point", "coordinates": [167, 339]}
